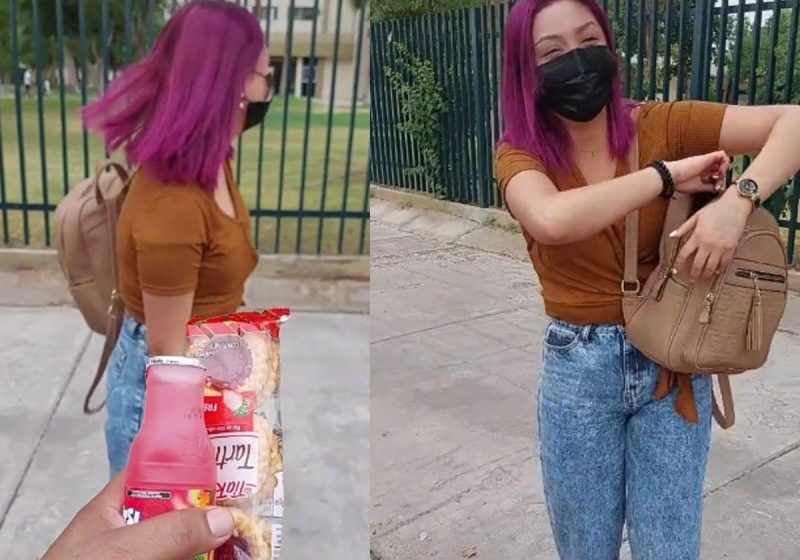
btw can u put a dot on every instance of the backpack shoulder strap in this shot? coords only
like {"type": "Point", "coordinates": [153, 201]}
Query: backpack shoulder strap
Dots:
{"type": "Point", "coordinates": [630, 278]}
{"type": "Point", "coordinates": [116, 308]}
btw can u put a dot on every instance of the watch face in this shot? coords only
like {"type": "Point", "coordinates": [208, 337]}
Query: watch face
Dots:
{"type": "Point", "coordinates": [748, 187]}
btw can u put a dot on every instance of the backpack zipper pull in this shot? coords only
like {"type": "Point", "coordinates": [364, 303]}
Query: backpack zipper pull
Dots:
{"type": "Point", "coordinates": [755, 321]}
{"type": "Point", "coordinates": [667, 275]}
{"type": "Point", "coordinates": [705, 316]}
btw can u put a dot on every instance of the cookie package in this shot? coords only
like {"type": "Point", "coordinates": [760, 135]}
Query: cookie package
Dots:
{"type": "Point", "coordinates": [241, 353]}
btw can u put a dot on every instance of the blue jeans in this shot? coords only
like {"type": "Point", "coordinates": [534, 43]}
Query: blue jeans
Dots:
{"type": "Point", "coordinates": [612, 454]}
{"type": "Point", "coordinates": [125, 389]}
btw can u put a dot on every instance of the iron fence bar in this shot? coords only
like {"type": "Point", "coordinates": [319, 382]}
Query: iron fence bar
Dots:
{"type": "Point", "coordinates": [667, 50]}
{"type": "Point", "coordinates": [439, 58]}
{"type": "Point", "coordinates": [794, 199]}
{"type": "Point", "coordinates": [698, 49]}
{"type": "Point", "coordinates": [20, 128]}
{"type": "Point", "coordinates": [259, 181]}
{"type": "Point", "coordinates": [392, 108]}
{"type": "Point", "coordinates": [265, 213]}
{"type": "Point", "coordinates": [331, 101]}
{"type": "Point", "coordinates": [776, 25]}
{"type": "Point", "coordinates": [304, 164]}
{"type": "Point", "coordinates": [261, 137]}
{"type": "Point", "coordinates": [628, 45]}
{"type": "Point", "coordinates": [356, 76]}
{"type": "Point", "coordinates": [151, 9]}
{"type": "Point", "coordinates": [494, 84]}
{"type": "Point", "coordinates": [708, 49]}
{"type": "Point", "coordinates": [737, 58]}
{"type": "Point", "coordinates": [3, 199]}
{"type": "Point", "coordinates": [469, 66]}
{"type": "Point", "coordinates": [751, 86]}
{"type": "Point", "coordinates": [61, 93]}
{"type": "Point", "coordinates": [453, 96]}
{"type": "Point", "coordinates": [128, 31]}
{"type": "Point", "coordinates": [792, 51]}
{"type": "Point", "coordinates": [173, 7]}
{"type": "Point", "coordinates": [37, 46]}
{"type": "Point", "coordinates": [378, 145]}
{"type": "Point", "coordinates": [654, 18]}
{"type": "Point", "coordinates": [364, 209]}
{"type": "Point", "coordinates": [682, 52]}
{"type": "Point", "coordinates": [411, 39]}
{"type": "Point", "coordinates": [640, 54]}
{"type": "Point", "coordinates": [478, 45]}
{"type": "Point", "coordinates": [84, 78]}
{"type": "Point", "coordinates": [104, 40]}
{"type": "Point", "coordinates": [391, 133]}
{"type": "Point", "coordinates": [723, 43]}
{"type": "Point", "coordinates": [287, 59]}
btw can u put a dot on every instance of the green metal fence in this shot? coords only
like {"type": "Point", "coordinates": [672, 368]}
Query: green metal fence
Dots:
{"type": "Point", "coordinates": [732, 51]}
{"type": "Point", "coordinates": [303, 173]}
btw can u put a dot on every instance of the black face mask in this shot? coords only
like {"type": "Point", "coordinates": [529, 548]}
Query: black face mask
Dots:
{"type": "Point", "coordinates": [256, 111]}
{"type": "Point", "coordinates": [577, 85]}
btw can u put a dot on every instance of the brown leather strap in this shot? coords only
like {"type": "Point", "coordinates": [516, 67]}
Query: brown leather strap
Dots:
{"type": "Point", "coordinates": [726, 416]}
{"type": "Point", "coordinates": [116, 308]}
{"type": "Point", "coordinates": [630, 282]}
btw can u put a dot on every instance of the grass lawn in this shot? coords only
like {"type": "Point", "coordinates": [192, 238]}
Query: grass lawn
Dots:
{"type": "Point", "coordinates": [281, 189]}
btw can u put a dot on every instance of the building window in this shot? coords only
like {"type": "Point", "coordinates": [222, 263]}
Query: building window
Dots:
{"type": "Point", "coordinates": [305, 14]}
{"type": "Point", "coordinates": [272, 11]}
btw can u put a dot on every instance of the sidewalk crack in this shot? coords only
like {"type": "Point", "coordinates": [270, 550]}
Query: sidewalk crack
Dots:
{"type": "Point", "coordinates": [64, 388]}
{"type": "Point", "coordinates": [750, 470]}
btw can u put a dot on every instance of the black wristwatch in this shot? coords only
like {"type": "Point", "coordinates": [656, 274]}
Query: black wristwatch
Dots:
{"type": "Point", "coordinates": [747, 188]}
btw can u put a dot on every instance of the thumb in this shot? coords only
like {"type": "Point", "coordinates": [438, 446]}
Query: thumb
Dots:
{"type": "Point", "coordinates": [176, 535]}
{"type": "Point", "coordinates": [687, 226]}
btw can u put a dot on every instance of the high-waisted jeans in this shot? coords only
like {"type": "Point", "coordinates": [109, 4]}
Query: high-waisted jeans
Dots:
{"type": "Point", "coordinates": [612, 454]}
{"type": "Point", "coordinates": [125, 384]}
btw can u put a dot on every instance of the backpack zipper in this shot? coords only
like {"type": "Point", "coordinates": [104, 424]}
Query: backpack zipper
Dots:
{"type": "Point", "coordinates": [708, 305]}
{"type": "Point", "coordinates": [755, 320]}
{"type": "Point", "coordinates": [759, 275]}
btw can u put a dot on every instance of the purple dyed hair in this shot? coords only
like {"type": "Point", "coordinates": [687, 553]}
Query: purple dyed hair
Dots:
{"type": "Point", "coordinates": [175, 111]}
{"type": "Point", "coordinates": [530, 126]}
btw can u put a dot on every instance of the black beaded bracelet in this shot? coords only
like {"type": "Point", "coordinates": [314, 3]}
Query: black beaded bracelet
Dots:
{"type": "Point", "coordinates": [668, 184]}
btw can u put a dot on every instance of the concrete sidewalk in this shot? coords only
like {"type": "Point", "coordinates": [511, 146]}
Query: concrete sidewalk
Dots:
{"type": "Point", "coordinates": [456, 333]}
{"type": "Point", "coordinates": [52, 457]}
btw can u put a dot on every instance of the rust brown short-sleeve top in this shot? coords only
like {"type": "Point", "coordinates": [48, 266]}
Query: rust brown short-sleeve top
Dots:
{"type": "Point", "coordinates": [175, 239]}
{"type": "Point", "coordinates": [581, 280]}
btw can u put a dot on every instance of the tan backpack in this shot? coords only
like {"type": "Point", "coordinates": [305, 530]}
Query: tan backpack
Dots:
{"type": "Point", "coordinates": [86, 241]}
{"type": "Point", "coordinates": [724, 326]}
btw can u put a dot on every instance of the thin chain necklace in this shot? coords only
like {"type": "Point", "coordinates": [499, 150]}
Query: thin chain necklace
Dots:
{"type": "Point", "coordinates": [593, 153]}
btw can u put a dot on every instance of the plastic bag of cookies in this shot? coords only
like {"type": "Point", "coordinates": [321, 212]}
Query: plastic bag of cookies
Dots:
{"type": "Point", "coordinates": [241, 353]}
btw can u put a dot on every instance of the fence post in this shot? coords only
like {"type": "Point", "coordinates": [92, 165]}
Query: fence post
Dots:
{"type": "Point", "coordinates": [699, 39]}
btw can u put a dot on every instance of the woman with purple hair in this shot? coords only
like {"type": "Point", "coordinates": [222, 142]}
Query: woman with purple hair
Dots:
{"type": "Point", "coordinates": [184, 231]}
{"type": "Point", "coordinates": [620, 440]}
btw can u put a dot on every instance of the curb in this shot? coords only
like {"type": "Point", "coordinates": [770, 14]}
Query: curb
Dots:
{"type": "Point", "coordinates": [32, 277]}
{"type": "Point", "coordinates": [488, 229]}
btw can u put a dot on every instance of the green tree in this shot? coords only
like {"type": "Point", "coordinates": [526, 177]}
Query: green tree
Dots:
{"type": "Point", "coordinates": [392, 9]}
{"type": "Point", "coordinates": [115, 41]}
{"type": "Point", "coordinates": [782, 90]}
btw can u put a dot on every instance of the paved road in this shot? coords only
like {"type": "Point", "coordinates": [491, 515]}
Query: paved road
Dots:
{"type": "Point", "coordinates": [454, 373]}
{"type": "Point", "coordinates": [52, 457]}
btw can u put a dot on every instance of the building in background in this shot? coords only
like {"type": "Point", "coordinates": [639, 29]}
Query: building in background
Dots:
{"type": "Point", "coordinates": [291, 38]}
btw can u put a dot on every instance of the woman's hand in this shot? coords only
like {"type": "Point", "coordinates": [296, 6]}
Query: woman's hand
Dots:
{"type": "Point", "coordinates": [715, 232]}
{"type": "Point", "coordinates": [704, 173]}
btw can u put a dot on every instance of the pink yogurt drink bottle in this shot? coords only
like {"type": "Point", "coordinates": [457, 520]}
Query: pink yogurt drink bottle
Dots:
{"type": "Point", "coordinates": [172, 464]}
